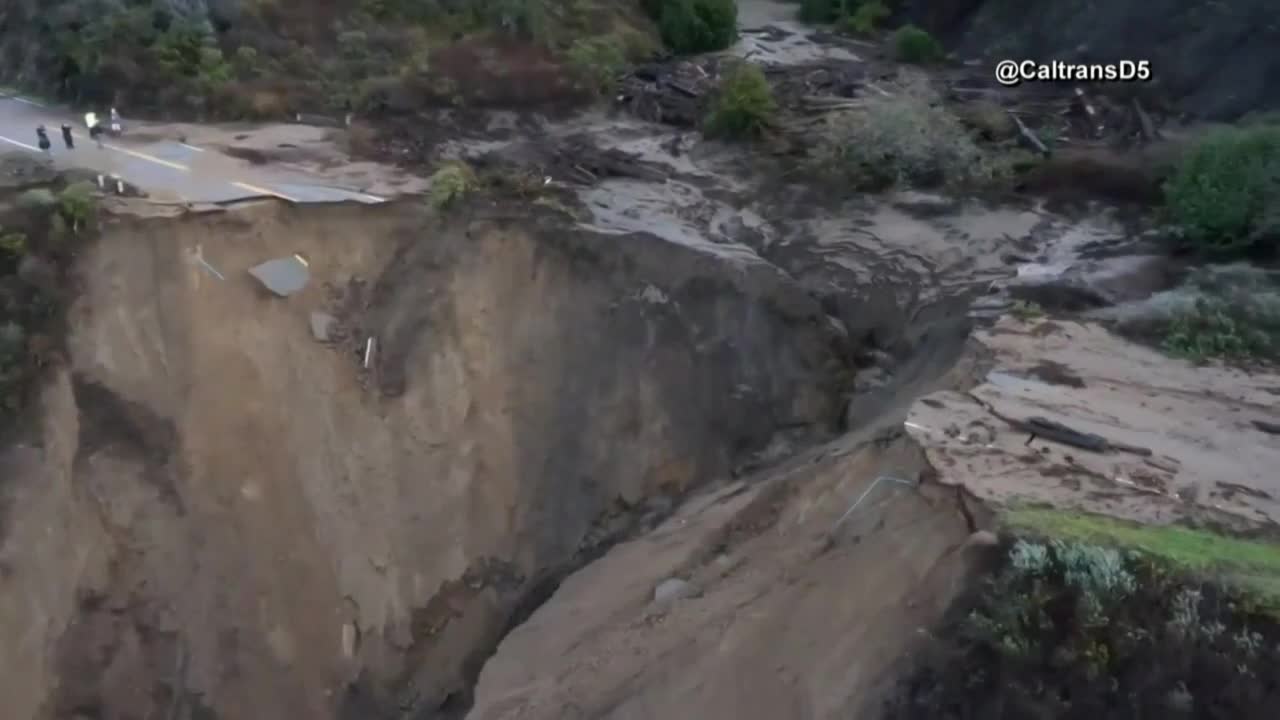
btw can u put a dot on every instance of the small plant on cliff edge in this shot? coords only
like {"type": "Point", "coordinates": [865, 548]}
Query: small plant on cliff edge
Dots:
{"type": "Point", "coordinates": [914, 45]}
{"type": "Point", "coordinates": [77, 206]}
{"type": "Point", "coordinates": [744, 105]}
{"type": "Point", "coordinates": [1225, 194]}
{"type": "Point", "coordinates": [450, 184]}
{"type": "Point", "coordinates": [695, 26]}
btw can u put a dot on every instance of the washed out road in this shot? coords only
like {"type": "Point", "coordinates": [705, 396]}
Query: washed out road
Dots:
{"type": "Point", "coordinates": [164, 170]}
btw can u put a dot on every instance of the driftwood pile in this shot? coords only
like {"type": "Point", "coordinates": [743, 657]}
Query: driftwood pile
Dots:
{"type": "Point", "coordinates": [1079, 115]}
{"type": "Point", "coordinates": [575, 160]}
{"type": "Point", "coordinates": [670, 93]}
{"type": "Point", "coordinates": [679, 93]}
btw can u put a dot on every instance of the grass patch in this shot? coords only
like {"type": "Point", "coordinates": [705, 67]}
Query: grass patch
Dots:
{"type": "Point", "coordinates": [1252, 566]}
{"type": "Point", "coordinates": [1214, 329]}
{"type": "Point", "coordinates": [1026, 310]}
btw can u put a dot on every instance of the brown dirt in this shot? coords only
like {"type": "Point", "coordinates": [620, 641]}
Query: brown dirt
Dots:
{"type": "Point", "coordinates": [222, 515]}
{"type": "Point", "coordinates": [776, 574]}
{"type": "Point", "coordinates": [1195, 421]}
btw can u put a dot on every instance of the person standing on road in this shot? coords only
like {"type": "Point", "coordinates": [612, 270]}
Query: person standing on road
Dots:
{"type": "Point", "coordinates": [95, 127]}
{"type": "Point", "coordinates": [66, 136]}
{"type": "Point", "coordinates": [43, 136]}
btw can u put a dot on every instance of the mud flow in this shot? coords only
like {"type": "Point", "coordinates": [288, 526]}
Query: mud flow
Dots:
{"type": "Point", "coordinates": [479, 461]}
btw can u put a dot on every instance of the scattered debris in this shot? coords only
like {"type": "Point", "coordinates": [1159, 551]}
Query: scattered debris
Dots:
{"type": "Point", "coordinates": [322, 325]}
{"type": "Point", "coordinates": [1145, 124]}
{"type": "Point", "coordinates": [673, 589]}
{"type": "Point", "coordinates": [865, 493]}
{"type": "Point", "coordinates": [1039, 427]}
{"type": "Point", "coordinates": [282, 276]}
{"type": "Point", "coordinates": [1091, 112]}
{"type": "Point", "coordinates": [368, 352]}
{"type": "Point", "coordinates": [197, 255]}
{"type": "Point", "coordinates": [1029, 137]}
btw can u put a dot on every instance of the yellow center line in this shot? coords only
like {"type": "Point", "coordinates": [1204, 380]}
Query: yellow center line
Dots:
{"type": "Point", "coordinates": [263, 191]}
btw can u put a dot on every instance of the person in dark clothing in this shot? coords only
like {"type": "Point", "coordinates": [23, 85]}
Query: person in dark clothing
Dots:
{"type": "Point", "coordinates": [43, 136]}
{"type": "Point", "coordinates": [66, 137]}
{"type": "Point", "coordinates": [95, 132]}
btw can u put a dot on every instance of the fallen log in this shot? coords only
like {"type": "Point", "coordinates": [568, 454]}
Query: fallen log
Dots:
{"type": "Point", "coordinates": [1038, 427]}
{"type": "Point", "coordinates": [1149, 132]}
{"type": "Point", "coordinates": [1029, 137]}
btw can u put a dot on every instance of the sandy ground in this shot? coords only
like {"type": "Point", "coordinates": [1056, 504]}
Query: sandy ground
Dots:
{"type": "Point", "coordinates": [1208, 459]}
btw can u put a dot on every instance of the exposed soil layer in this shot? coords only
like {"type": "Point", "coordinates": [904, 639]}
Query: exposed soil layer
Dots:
{"type": "Point", "coordinates": [225, 513]}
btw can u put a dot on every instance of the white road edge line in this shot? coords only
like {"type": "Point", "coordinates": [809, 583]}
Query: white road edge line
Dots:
{"type": "Point", "coordinates": [11, 141]}
{"type": "Point", "coordinates": [28, 102]}
{"type": "Point", "coordinates": [191, 147]}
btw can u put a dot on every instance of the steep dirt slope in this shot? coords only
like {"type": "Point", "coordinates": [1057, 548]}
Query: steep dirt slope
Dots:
{"type": "Point", "coordinates": [226, 519]}
{"type": "Point", "coordinates": [805, 590]}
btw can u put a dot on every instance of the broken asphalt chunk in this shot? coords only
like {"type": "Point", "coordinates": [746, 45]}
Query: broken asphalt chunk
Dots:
{"type": "Point", "coordinates": [282, 276]}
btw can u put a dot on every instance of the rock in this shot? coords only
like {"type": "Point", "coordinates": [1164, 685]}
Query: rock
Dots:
{"type": "Point", "coordinates": [659, 504]}
{"type": "Point", "coordinates": [982, 538]}
{"type": "Point", "coordinates": [322, 326]}
{"type": "Point", "coordinates": [870, 379]}
{"type": "Point", "coordinates": [673, 589]}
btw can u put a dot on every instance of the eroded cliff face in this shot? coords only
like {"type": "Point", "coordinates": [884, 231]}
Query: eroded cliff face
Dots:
{"type": "Point", "coordinates": [224, 518]}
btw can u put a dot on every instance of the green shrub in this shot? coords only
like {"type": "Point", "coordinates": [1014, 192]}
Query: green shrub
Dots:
{"type": "Point", "coordinates": [1213, 328]}
{"type": "Point", "coordinates": [744, 104]}
{"type": "Point", "coordinates": [77, 205]}
{"type": "Point", "coordinates": [696, 26]}
{"type": "Point", "coordinates": [908, 138]}
{"type": "Point", "coordinates": [450, 184]}
{"type": "Point", "coordinates": [820, 11]}
{"type": "Point", "coordinates": [914, 45]}
{"type": "Point", "coordinates": [1225, 194]}
{"type": "Point", "coordinates": [866, 17]}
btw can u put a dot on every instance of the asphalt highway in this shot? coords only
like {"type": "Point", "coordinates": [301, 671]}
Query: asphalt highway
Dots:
{"type": "Point", "coordinates": [166, 170]}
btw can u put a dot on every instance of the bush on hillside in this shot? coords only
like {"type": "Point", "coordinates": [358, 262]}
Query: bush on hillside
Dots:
{"type": "Point", "coordinates": [915, 45]}
{"type": "Point", "coordinates": [744, 104]}
{"type": "Point", "coordinates": [821, 11]}
{"type": "Point", "coordinates": [598, 62]}
{"type": "Point", "coordinates": [450, 184]}
{"type": "Point", "coordinates": [907, 139]}
{"type": "Point", "coordinates": [865, 18]}
{"type": "Point", "coordinates": [41, 235]}
{"type": "Point", "coordinates": [696, 26]}
{"type": "Point", "coordinates": [1072, 630]}
{"type": "Point", "coordinates": [1225, 194]}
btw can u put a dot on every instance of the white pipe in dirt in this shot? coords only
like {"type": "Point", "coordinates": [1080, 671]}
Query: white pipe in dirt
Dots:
{"type": "Point", "coordinates": [368, 353]}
